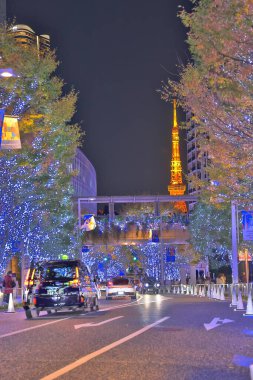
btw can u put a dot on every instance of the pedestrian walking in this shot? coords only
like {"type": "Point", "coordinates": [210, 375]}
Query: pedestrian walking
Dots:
{"type": "Point", "coordinates": [8, 284]}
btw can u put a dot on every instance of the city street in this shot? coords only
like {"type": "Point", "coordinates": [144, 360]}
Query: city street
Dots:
{"type": "Point", "coordinates": [156, 337]}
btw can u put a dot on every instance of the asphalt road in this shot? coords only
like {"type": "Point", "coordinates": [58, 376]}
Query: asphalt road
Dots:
{"type": "Point", "coordinates": [158, 337]}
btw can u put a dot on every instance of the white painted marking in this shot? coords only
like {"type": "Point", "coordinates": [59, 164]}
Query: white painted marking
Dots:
{"type": "Point", "coordinates": [251, 371]}
{"type": "Point", "coordinates": [101, 351]}
{"type": "Point", "coordinates": [216, 322]}
{"type": "Point", "coordinates": [32, 328]}
{"type": "Point", "coordinates": [135, 303]}
{"type": "Point", "coordinates": [92, 324]}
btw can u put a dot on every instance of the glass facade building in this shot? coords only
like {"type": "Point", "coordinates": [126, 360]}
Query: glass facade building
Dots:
{"type": "Point", "coordinates": [85, 182]}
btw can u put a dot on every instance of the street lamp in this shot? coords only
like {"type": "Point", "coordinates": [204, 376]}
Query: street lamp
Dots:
{"type": "Point", "coordinates": [7, 73]}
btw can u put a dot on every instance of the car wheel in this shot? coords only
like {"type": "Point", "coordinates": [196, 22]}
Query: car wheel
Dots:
{"type": "Point", "coordinates": [49, 311]}
{"type": "Point", "coordinates": [133, 297]}
{"type": "Point", "coordinates": [37, 310]}
{"type": "Point", "coordinates": [108, 298]}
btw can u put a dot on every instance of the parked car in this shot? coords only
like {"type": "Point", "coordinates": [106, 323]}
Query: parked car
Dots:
{"type": "Point", "coordinates": [149, 285]}
{"type": "Point", "coordinates": [58, 285]}
{"type": "Point", "coordinates": [120, 287]}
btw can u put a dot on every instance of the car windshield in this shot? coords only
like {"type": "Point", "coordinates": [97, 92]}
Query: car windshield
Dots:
{"type": "Point", "coordinates": [59, 272]}
{"type": "Point", "coordinates": [150, 280]}
{"type": "Point", "coordinates": [120, 281]}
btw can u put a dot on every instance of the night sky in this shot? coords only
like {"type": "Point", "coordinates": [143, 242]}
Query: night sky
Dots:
{"type": "Point", "coordinates": [116, 53]}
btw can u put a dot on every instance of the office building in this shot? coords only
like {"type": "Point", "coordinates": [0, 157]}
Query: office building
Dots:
{"type": "Point", "coordinates": [196, 160]}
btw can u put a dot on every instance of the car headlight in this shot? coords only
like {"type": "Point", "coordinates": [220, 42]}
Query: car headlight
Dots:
{"type": "Point", "coordinates": [158, 285]}
{"type": "Point", "coordinates": [146, 285]}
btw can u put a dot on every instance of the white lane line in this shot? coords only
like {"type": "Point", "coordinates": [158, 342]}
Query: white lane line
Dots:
{"type": "Point", "coordinates": [32, 328]}
{"type": "Point", "coordinates": [135, 303]}
{"type": "Point", "coordinates": [92, 324]}
{"type": "Point", "coordinates": [101, 351]}
{"type": "Point", "coordinates": [251, 371]}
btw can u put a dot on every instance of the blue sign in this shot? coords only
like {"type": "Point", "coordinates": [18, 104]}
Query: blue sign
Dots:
{"type": "Point", "coordinates": [247, 221]}
{"type": "Point", "coordinates": [155, 236]}
{"type": "Point", "coordinates": [101, 266]}
{"type": "Point", "coordinates": [171, 255]}
{"type": "Point", "coordinates": [15, 246]}
{"type": "Point", "coordinates": [170, 259]}
{"type": "Point", "coordinates": [85, 248]}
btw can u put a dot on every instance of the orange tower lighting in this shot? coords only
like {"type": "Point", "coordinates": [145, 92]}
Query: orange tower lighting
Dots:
{"type": "Point", "coordinates": [176, 186]}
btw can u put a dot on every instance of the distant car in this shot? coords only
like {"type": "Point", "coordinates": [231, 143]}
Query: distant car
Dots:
{"type": "Point", "coordinates": [59, 285]}
{"type": "Point", "coordinates": [150, 285]}
{"type": "Point", "coordinates": [120, 287]}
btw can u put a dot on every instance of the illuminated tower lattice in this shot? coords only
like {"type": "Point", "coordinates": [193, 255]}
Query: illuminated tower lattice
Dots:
{"type": "Point", "coordinates": [176, 186]}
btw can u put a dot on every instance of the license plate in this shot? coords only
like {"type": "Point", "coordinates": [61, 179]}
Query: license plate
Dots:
{"type": "Point", "coordinates": [120, 293]}
{"type": "Point", "coordinates": [50, 292]}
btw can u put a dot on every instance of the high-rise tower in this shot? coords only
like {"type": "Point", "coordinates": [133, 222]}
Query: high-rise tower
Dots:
{"type": "Point", "coordinates": [2, 11]}
{"type": "Point", "coordinates": [176, 186]}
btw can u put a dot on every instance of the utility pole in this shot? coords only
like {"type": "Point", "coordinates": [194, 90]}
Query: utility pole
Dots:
{"type": "Point", "coordinates": [161, 253]}
{"type": "Point", "coordinates": [2, 11]}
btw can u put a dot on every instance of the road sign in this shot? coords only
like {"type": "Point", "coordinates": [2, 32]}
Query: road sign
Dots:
{"type": "Point", "coordinates": [85, 248]}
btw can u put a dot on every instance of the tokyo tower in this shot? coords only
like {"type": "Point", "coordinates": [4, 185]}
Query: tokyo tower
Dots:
{"type": "Point", "coordinates": [176, 186]}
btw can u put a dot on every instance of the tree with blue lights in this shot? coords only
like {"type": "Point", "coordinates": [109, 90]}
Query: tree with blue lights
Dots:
{"type": "Point", "coordinates": [36, 191]}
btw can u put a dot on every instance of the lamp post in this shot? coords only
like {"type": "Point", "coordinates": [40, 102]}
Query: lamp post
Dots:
{"type": "Point", "coordinates": [235, 277]}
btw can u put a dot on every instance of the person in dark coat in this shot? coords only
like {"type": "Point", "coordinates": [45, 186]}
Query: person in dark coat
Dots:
{"type": "Point", "coordinates": [8, 284]}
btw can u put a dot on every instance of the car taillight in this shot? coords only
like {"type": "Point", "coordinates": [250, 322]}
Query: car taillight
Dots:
{"type": "Point", "coordinates": [27, 277]}
{"type": "Point", "coordinates": [29, 280]}
{"type": "Point", "coordinates": [34, 301]}
{"type": "Point", "coordinates": [109, 283]}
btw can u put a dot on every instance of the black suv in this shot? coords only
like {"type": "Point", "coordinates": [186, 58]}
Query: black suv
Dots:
{"type": "Point", "coordinates": [149, 286]}
{"type": "Point", "coordinates": [58, 285]}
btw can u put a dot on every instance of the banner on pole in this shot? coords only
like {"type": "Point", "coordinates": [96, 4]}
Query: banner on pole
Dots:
{"type": "Point", "coordinates": [88, 223]}
{"type": "Point", "coordinates": [244, 255]}
{"type": "Point", "coordinates": [1, 124]}
{"type": "Point", "coordinates": [247, 222]}
{"type": "Point", "coordinates": [10, 138]}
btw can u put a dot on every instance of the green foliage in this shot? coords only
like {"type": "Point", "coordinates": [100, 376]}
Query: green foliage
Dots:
{"type": "Point", "coordinates": [36, 188]}
{"type": "Point", "coordinates": [210, 229]}
{"type": "Point", "coordinates": [217, 88]}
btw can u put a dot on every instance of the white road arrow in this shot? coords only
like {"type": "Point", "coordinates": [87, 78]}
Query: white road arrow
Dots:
{"type": "Point", "coordinates": [216, 322]}
{"type": "Point", "coordinates": [97, 324]}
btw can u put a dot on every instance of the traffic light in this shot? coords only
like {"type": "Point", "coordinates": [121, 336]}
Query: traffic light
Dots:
{"type": "Point", "coordinates": [134, 258]}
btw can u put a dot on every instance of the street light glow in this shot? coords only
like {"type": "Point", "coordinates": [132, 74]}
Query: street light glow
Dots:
{"type": "Point", "coordinates": [7, 73]}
